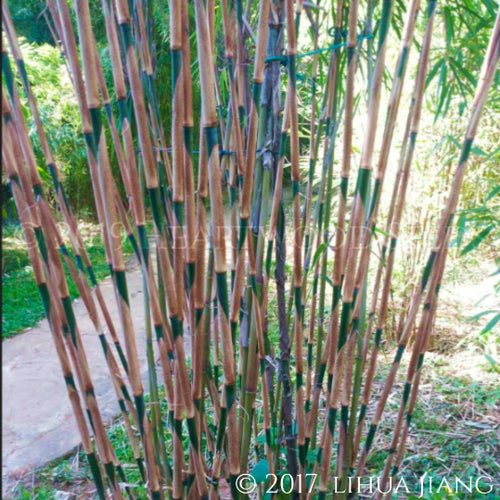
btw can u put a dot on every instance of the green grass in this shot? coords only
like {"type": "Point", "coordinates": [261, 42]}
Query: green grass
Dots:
{"type": "Point", "coordinates": [454, 431]}
{"type": "Point", "coordinates": [67, 474]}
{"type": "Point", "coordinates": [21, 304]}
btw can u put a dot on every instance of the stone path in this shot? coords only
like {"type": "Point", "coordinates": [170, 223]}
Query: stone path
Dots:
{"type": "Point", "coordinates": [38, 423]}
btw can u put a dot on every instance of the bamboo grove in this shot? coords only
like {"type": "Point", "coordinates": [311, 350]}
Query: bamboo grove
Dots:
{"type": "Point", "coordinates": [220, 239]}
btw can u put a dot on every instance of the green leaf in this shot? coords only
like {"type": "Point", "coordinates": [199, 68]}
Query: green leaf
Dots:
{"type": "Point", "coordinates": [481, 314]}
{"type": "Point", "coordinates": [454, 141]}
{"type": "Point", "coordinates": [478, 151]}
{"type": "Point", "coordinates": [260, 471]}
{"type": "Point", "coordinates": [327, 279]}
{"type": "Point", "coordinates": [462, 220]}
{"type": "Point", "coordinates": [477, 240]}
{"type": "Point", "coordinates": [442, 90]}
{"type": "Point", "coordinates": [318, 253]}
{"type": "Point", "coordinates": [448, 21]}
{"type": "Point", "coordinates": [491, 324]}
{"type": "Point", "coordinates": [433, 72]}
{"type": "Point", "coordinates": [495, 272]}
{"type": "Point", "coordinates": [381, 231]}
{"type": "Point", "coordinates": [311, 456]}
{"type": "Point", "coordinates": [493, 193]}
{"type": "Point", "coordinates": [44, 174]}
{"type": "Point", "coordinates": [491, 360]}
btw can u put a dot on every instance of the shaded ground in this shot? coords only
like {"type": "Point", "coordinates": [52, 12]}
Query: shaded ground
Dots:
{"type": "Point", "coordinates": [38, 423]}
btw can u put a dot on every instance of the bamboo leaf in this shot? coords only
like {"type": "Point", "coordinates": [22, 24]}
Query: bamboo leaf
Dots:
{"type": "Point", "coordinates": [478, 151]}
{"type": "Point", "coordinates": [433, 71]}
{"type": "Point", "coordinates": [492, 193]}
{"type": "Point", "coordinates": [448, 21]}
{"type": "Point", "coordinates": [442, 91]}
{"type": "Point", "coordinates": [454, 141]}
{"type": "Point", "coordinates": [260, 471]}
{"type": "Point", "coordinates": [381, 231]}
{"type": "Point", "coordinates": [491, 360]}
{"type": "Point", "coordinates": [461, 228]}
{"type": "Point", "coordinates": [491, 324]}
{"type": "Point", "coordinates": [44, 174]}
{"type": "Point", "coordinates": [318, 253]}
{"type": "Point", "coordinates": [477, 240]}
{"type": "Point", "coordinates": [327, 279]}
{"type": "Point", "coordinates": [481, 314]}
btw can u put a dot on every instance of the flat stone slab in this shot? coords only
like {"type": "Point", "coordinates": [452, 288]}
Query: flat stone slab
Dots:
{"type": "Point", "coordinates": [38, 423]}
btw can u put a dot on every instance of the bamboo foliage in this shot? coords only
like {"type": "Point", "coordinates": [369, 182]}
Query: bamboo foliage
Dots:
{"type": "Point", "coordinates": [295, 405]}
